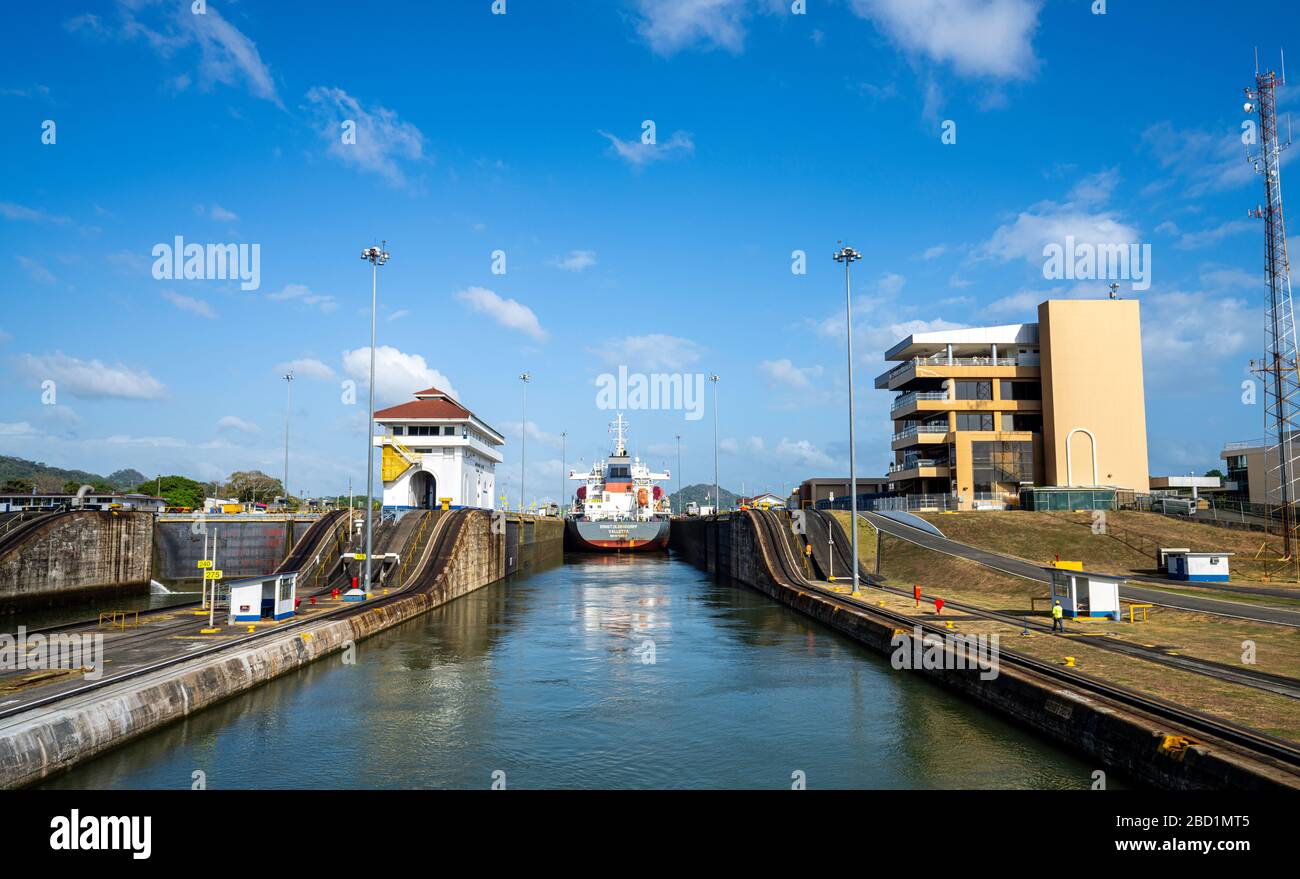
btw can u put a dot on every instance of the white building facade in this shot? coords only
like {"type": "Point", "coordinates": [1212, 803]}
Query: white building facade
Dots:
{"type": "Point", "coordinates": [432, 449]}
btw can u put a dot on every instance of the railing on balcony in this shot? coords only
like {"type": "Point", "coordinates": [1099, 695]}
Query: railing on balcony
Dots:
{"type": "Point", "coordinates": [916, 462]}
{"type": "Point", "coordinates": [1023, 360]}
{"type": "Point", "coordinates": [921, 428]}
{"type": "Point", "coordinates": [905, 399]}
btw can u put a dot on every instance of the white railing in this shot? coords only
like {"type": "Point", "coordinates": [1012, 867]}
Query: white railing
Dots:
{"type": "Point", "coordinates": [919, 462]}
{"type": "Point", "coordinates": [907, 398]}
{"type": "Point", "coordinates": [921, 428]}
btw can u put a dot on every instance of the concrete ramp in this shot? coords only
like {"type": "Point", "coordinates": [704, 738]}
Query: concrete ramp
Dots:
{"type": "Point", "coordinates": [910, 519]}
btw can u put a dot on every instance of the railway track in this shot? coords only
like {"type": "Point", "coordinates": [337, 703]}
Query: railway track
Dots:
{"type": "Point", "coordinates": [788, 572]}
{"type": "Point", "coordinates": [433, 557]}
{"type": "Point", "coordinates": [819, 520]}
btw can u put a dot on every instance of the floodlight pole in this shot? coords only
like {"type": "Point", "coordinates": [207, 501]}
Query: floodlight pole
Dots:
{"type": "Point", "coordinates": [376, 256]}
{"type": "Point", "coordinates": [848, 256]}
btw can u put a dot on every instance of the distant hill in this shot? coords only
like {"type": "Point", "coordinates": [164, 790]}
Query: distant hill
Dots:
{"type": "Point", "coordinates": [52, 479]}
{"type": "Point", "coordinates": [703, 495]}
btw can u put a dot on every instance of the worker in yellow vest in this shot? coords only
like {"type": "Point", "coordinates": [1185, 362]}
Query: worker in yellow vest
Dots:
{"type": "Point", "coordinates": [1058, 617]}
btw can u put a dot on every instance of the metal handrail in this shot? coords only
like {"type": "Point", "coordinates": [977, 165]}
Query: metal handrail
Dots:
{"type": "Point", "coordinates": [900, 402]}
{"type": "Point", "coordinates": [921, 428]}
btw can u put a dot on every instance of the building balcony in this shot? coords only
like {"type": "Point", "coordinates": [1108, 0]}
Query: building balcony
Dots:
{"type": "Point", "coordinates": [912, 397]}
{"type": "Point", "coordinates": [922, 433]}
{"type": "Point", "coordinates": [921, 468]}
{"type": "Point", "coordinates": [958, 367]}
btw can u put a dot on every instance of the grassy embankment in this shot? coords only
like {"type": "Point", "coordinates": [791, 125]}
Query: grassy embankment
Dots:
{"type": "Point", "coordinates": [1175, 632]}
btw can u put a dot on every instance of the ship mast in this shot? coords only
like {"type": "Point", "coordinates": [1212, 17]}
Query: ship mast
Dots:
{"type": "Point", "coordinates": [618, 428]}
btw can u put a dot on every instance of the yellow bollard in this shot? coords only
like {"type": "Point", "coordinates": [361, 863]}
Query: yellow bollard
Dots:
{"type": "Point", "coordinates": [947, 624]}
{"type": "Point", "coordinates": [1069, 662]}
{"type": "Point", "coordinates": [252, 629]}
{"type": "Point", "coordinates": [208, 631]}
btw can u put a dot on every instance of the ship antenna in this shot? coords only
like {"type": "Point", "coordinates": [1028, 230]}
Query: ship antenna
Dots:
{"type": "Point", "coordinates": [618, 428]}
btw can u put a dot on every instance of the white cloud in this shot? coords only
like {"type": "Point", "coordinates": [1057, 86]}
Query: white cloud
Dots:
{"type": "Point", "coordinates": [38, 273]}
{"type": "Point", "coordinates": [1023, 305]}
{"type": "Point", "coordinates": [988, 38]}
{"type": "Point", "coordinates": [1205, 162]}
{"type": "Point", "coordinates": [1206, 237]}
{"type": "Point", "coordinates": [638, 154]}
{"type": "Point", "coordinates": [650, 352]}
{"type": "Point", "coordinates": [399, 314]}
{"type": "Point", "coordinates": [1186, 336]}
{"type": "Point", "coordinates": [16, 428]}
{"type": "Point", "coordinates": [670, 25]}
{"type": "Point", "coordinates": [302, 293]}
{"type": "Point", "coordinates": [506, 312]}
{"type": "Point", "coordinates": [397, 375]}
{"type": "Point", "coordinates": [802, 452]}
{"type": "Point", "coordinates": [235, 424]}
{"type": "Point", "coordinates": [1227, 278]}
{"type": "Point", "coordinates": [307, 367]}
{"type": "Point", "coordinates": [92, 379]}
{"type": "Point", "coordinates": [226, 55]}
{"type": "Point", "coordinates": [217, 212]}
{"type": "Point", "coordinates": [576, 261]}
{"type": "Point", "coordinates": [11, 211]}
{"type": "Point", "coordinates": [783, 373]}
{"type": "Point", "coordinates": [190, 304]}
{"type": "Point", "coordinates": [381, 137]}
{"type": "Point", "coordinates": [1081, 215]}
{"type": "Point", "coordinates": [535, 434]}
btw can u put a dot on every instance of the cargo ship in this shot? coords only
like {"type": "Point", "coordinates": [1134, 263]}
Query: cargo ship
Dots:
{"type": "Point", "coordinates": [618, 508]}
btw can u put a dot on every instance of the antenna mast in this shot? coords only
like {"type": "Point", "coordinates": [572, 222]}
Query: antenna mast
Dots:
{"type": "Point", "coordinates": [1280, 367]}
{"type": "Point", "coordinates": [618, 428]}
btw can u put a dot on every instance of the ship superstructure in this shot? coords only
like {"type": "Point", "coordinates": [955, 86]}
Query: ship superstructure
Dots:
{"type": "Point", "coordinates": [619, 506]}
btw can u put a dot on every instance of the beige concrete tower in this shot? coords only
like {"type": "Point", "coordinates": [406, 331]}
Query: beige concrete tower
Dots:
{"type": "Point", "coordinates": [1094, 407]}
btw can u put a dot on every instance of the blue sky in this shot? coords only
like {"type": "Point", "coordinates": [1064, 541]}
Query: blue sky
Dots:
{"type": "Point", "coordinates": [521, 132]}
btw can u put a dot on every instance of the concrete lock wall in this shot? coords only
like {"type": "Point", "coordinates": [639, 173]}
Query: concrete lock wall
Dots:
{"type": "Point", "coordinates": [51, 739]}
{"type": "Point", "coordinates": [76, 555]}
{"type": "Point", "coordinates": [1116, 738]}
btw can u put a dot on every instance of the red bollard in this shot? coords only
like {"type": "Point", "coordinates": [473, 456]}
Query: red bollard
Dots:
{"type": "Point", "coordinates": [313, 599]}
{"type": "Point", "coordinates": [938, 605]}
{"type": "Point", "coordinates": [354, 582]}
{"type": "Point", "coordinates": [334, 593]}
{"type": "Point", "coordinates": [916, 593]}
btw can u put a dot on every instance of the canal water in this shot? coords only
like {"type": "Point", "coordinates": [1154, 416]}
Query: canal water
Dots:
{"type": "Point", "coordinates": [604, 672]}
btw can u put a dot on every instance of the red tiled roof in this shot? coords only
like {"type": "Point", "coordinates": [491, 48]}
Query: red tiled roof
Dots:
{"type": "Point", "coordinates": [442, 408]}
{"type": "Point", "coordinates": [433, 392]}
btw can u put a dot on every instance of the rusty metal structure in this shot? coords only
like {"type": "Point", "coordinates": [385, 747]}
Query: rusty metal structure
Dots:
{"type": "Point", "coordinates": [1280, 367]}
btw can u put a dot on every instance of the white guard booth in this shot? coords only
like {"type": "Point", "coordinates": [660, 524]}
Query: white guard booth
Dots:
{"type": "Point", "coordinates": [258, 598]}
{"type": "Point", "coordinates": [1197, 567]}
{"type": "Point", "coordinates": [1084, 594]}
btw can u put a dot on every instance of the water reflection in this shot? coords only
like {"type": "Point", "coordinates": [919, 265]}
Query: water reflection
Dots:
{"type": "Point", "coordinates": [549, 679]}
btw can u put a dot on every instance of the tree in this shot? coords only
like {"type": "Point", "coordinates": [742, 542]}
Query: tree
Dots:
{"type": "Point", "coordinates": [99, 486]}
{"type": "Point", "coordinates": [1215, 472]}
{"type": "Point", "coordinates": [178, 491]}
{"type": "Point", "coordinates": [253, 485]}
{"type": "Point", "coordinates": [18, 485]}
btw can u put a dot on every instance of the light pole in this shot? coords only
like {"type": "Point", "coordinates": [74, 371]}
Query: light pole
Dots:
{"type": "Point", "coordinates": [523, 439]}
{"type": "Point", "coordinates": [848, 256]}
{"type": "Point", "coordinates": [679, 474]}
{"type": "Point", "coordinates": [376, 256]}
{"type": "Point", "coordinates": [564, 448]}
{"type": "Point", "coordinates": [717, 499]}
{"type": "Point", "coordinates": [288, 407]}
